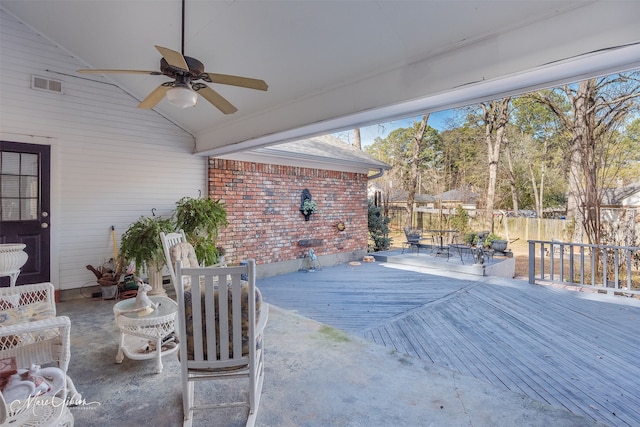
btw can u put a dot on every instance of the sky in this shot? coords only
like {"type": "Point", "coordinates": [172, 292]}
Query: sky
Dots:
{"type": "Point", "coordinates": [368, 134]}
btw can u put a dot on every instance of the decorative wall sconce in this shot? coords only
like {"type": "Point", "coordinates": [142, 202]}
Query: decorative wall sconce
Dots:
{"type": "Point", "coordinates": [307, 206]}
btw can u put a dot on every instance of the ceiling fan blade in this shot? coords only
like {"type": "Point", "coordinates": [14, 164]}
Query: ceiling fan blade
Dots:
{"type": "Point", "coordinates": [94, 71]}
{"type": "Point", "coordinates": [215, 98]}
{"type": "Point", "coordinates": [247, 82]}
{"type": "Point", "coordinates": [173, 58]}
{"type": "Point", "coordinates": [154, 97]}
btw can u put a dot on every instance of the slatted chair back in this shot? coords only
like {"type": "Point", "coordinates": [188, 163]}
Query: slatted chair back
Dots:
{"type": "Point", "coordinates": [221, 321]}
{"type": "Point", "coordinates": [169, 240]}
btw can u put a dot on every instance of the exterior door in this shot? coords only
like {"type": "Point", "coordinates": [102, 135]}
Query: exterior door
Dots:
{"type": "Point", "coordinates": [24, 206]}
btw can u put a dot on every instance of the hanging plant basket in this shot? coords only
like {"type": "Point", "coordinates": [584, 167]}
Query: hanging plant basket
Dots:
{"type": "Point", "coordinates": [307, 206]}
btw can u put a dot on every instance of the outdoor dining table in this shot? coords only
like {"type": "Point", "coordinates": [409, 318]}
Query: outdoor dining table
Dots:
{"type": "Point", "coordinates": [441, 234]}
{"type": "Point", "coordinates": [462, 250]}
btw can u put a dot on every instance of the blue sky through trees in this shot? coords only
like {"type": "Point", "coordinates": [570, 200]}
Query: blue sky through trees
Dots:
{"type": "Point", "coordinates": [368, 134]}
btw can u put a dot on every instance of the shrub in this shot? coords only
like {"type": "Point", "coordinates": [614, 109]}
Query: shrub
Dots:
{"type": "Point", "coordinates": [470, 238]}
{"type": "Point", "coordinates": [378, 230]}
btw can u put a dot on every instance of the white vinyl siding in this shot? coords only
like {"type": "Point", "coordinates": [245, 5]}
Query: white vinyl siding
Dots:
{"type": "Point", "coordinates": [111, 162]}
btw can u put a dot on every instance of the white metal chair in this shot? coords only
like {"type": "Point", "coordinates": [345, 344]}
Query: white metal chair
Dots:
{"type": "Point", "coordinates": [31, 332]}
{"type": "Point", "coordinates": [221, 321]}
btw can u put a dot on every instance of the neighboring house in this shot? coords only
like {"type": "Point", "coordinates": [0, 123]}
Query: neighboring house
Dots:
{"type": "Point", "coordinates": [398, 198]}
{"type": "Point", "coordinates": [620, 212]}
{"type": "Point", "coordinates": [448, 202]}
{"type": "Point", "coordinates": [622, 197]}
{"type": "Point", "coordinates": [111, 163]}
{"type": "Point", "coordinates": [464, 196]}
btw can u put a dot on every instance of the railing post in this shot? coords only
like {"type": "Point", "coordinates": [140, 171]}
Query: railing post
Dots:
{"type": "Point", "coordinates": [571, 266]}
{"type": "Point", "coordinates": [629, 255]}
{"type": "Point", "coordinates": [616, 268]}
{"type": "Point", "coordinates": [561, 263]}
{"type": "Point", "coordinates": [605, 275]}
{"type": "Point", "coordinates": [552, 262]}
{"type": "Point", "coordinates": [532, 262]}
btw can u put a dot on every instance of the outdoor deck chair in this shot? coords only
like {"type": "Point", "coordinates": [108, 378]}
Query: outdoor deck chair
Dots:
{"type": "Point", "coordinates": [221, 323]}
{"type": "Point", "coordinates": [414, 239]}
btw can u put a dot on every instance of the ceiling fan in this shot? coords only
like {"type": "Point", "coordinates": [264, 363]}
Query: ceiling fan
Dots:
{"type": "Point", "coordinates": [184, 89]}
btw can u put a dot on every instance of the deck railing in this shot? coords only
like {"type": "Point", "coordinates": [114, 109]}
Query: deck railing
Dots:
{"type": "Point", "coordinates": [602, 267]}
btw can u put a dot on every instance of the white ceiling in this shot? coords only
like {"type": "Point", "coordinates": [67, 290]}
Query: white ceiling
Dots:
{"type": "Point", "coordinates": [333, 65]}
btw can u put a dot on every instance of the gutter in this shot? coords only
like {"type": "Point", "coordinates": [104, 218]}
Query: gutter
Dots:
{"type": "Point", "coordinates": [376, 176]}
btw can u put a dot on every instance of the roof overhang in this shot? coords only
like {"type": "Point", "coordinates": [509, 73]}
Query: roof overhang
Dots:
{"type": "Point", "coordinates": [595, 64]}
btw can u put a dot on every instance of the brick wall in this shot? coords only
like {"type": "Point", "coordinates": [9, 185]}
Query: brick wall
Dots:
{"type": "Point", "coordinates": [263, 209]}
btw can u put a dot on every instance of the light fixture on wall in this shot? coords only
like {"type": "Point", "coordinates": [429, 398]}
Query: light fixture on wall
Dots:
{"type": "Point", "coordinates": [182, 96]}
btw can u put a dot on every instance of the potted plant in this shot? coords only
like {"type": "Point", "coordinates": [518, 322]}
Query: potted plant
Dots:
{"type": "Point", "coordinates": [308, 207]}
{"type": "Point", "coordinates": [201, 219]}
{"type": "Point", "coordinates": [496, 243]}
{"type": "Point", "coordinates": [141, 244]}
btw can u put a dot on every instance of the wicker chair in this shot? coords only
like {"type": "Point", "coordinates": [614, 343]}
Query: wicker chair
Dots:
{"type": "Point", "coordinates": [38, 411]}
{"type": "Point", "coordinates": [31, 332]}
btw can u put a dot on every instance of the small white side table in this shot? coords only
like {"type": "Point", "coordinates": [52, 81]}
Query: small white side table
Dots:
{"type": "Point", "coordinates": [138, 329]}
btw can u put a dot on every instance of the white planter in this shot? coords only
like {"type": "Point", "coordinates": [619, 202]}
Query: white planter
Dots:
{"type": "Point", "coordinates": [155, 280]}
{"type": "Point", "coordinates": [12, 258]}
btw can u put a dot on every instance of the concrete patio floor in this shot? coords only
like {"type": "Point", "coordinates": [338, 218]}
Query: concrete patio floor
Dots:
{"type": "Point", "coordinates": [316, 375]}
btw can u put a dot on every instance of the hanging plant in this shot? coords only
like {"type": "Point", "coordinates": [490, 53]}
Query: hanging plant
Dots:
{"type": "Point", "coordinates": [141, 242]}
{"type": "Point", "coordinates": [309, 207]}
{"type": "Point", "coordinates": [201, 219]}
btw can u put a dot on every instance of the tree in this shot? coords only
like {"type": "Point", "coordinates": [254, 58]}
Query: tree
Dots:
{"type": "Point", "coordinates": [461, 160]}
{"type": "Point", "coordinates": [357, 142]}
{"type": "Point", "coordinates": [598, 110]}
{"type": "Point", "coordinates": [538, 140]}
{"type": "Point", "coordinates": [381, 149]}
{"type": "Point", "coordinates": [409, 151]}
{"type": "Point", "coordinates": [417, 146]}
{"type": "Point", "coordinates": [495, 116]}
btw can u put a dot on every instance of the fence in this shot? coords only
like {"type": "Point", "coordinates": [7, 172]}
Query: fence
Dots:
{"type": "Point", "coordinates": [516, 228]}
{"type": "Point", "coordinates": [600, 267]}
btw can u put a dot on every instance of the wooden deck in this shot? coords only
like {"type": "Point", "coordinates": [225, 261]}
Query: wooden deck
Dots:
{"type": "Point", "coordinates": [573, 350]}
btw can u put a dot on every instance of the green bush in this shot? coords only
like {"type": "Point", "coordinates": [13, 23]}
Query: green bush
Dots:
{"type": "Point", "coordinates": [470, 238]}
{"type": "Point", "coordinates": [460, 220]}
{"type": "Point", "coordinates": [378, 229]}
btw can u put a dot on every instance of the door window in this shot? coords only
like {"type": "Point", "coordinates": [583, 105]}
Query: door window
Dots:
{"type": "Point", "coordinates": [19, 186]}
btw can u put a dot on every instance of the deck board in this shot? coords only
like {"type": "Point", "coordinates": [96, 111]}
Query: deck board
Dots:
{"type": "Point", "coordinates": [561, 347]}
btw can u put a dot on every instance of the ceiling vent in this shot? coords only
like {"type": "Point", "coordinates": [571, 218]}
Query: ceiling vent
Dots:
{"type": "Point", "coordinates": [41, 83]}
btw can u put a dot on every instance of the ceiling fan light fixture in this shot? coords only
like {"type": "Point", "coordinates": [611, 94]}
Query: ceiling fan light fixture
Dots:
{"type": "Point", "coordinates": [182, 96]}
